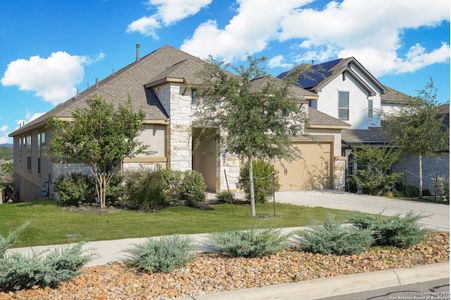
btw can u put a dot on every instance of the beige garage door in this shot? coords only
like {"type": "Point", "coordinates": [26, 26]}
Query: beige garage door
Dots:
{"type": "Point", "coordinates": [311, 171]}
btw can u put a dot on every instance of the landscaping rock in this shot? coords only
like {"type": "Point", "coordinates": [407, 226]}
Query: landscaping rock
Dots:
{"type": "Point", "coordinates": [214, 273]}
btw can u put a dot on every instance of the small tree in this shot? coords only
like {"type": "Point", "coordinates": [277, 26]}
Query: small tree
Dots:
{"type": "Point", "coordinates": [100, 137]}
{"type": "Point", "coordinates": [418, 127]}
{"type": "Point", "coordinates": [373, 175]}
{"type": "Point", "coordinates": [254, 123]}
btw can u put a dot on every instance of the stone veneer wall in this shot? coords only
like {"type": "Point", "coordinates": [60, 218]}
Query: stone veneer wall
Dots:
{"type": "Point", "coordinates": [178, 107]}
{"type": "Point", "coordinates": [231, 164]}
{"type": "Point", "coordinates": [180, 110]}
{"type": "Point", "coordinates": [339, 176]}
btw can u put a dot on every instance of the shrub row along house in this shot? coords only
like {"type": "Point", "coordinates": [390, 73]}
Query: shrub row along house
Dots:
{"type": "Point", "coordinates": [341, 103]}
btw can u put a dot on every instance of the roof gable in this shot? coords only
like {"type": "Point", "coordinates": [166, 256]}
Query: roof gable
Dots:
{"type": "Point", "coordinates": [295, 91]}
{"type": "Point", "coordinates": [393, 96]}
{"type": "Point", "coordinates": [315, 77]}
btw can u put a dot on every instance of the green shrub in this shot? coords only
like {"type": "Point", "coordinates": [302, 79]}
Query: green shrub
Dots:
{"type": "Point", "coordinates": [161, 255]}
{"type": "Point", "coordinates": [144, 190]}
{"type": "Point", "coordinates": [171, 182]}
{"type": "Point", "coordinates": [399, 194]}
{"type": "Point", "coordinates": [224, 197]}
{"type": "Point", "coordinates": [263, 180]}
{"type": "Point", "coordinates": [426, 192]}
{"type": "Point", "coordinates": [192, 188]}
{"type": "Point", "coordinates": [116, 191]}
{"type": "Point", "coordinates": [42, 269]}
{"type": "Point", "coordinates": [410, 191]}
{"type": "Point", "coordinates": [441, 187]}
{"type": "Point", "coordinates": [249, 243]}
{"type": "Point", "coordinates": [75, 188]}
{"type": "Point", "coordinates": [8, 242]}
{"type": "Point", "coordinates": [373, 174]}
{"type": "Point", "coordinates": [398, 231]}
{"type": "Point", "coordinates": [333, 238]}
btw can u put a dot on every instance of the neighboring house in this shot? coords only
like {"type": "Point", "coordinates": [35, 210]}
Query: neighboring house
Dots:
{"type": "Point", "coordinates": [433, 166]}
{"type": "Point", "coordinates": [349, 92]}
{"type": "Point", "coordinates": [163, 84]}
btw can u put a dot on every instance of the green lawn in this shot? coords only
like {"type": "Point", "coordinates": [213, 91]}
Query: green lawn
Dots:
{"type": "Point", "coordinates": [50, 223]}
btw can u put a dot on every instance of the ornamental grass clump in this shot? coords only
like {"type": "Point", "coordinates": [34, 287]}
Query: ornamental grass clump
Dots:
{"type": "Point", "coordinates": [249, 243]}
{"type": "Point", "coordinates": [334, 238]}
{"type": "Point", "coordinates": [8, 241]}
{"type": "Point", "coordinates": [42, 269]}
{"type": "Point", "coordinates": [161, 255]}
{"type": "Point", "coordinates": [398, 231]}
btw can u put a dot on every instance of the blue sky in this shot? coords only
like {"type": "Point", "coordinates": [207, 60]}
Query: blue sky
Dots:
{"type": "Point", "coordinates": [51, 48]}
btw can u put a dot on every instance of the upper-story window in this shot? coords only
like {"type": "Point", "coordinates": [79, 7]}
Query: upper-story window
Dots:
{"type": "Point", "coordinates": [28, 147]}
{"type": "Point", "coordinates": [343, 106]}
{"type": "Point", "coordinates": [370, 111]}
{"type": "Point", "coordinates": [41, 142]}
{"type": "Point", "coordinates": [20, 148]}
{"type": "Point", "coordinates": [193, 96]}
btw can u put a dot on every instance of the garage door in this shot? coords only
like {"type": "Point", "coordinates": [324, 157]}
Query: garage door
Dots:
{"type": "Point", "coordinates": [311, 171]}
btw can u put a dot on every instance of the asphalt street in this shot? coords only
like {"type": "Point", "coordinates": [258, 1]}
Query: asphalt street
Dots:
{"type": "Point", "coordinates": [430, 290]}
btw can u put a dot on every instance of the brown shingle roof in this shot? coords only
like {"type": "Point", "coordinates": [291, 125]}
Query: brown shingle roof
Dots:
{"type": "Point", "coordinates": [297, 92]}
{"type": "Point", "coordinates": [393, 96]}
{"type": "Point", "coordinates": [318, 118]}
{"type": "Point", "coordinates": [372, 135]}
{"type": "Point", "coordinates": [116, 88]}
{"type": "Point", "coordinates": [190, 70]}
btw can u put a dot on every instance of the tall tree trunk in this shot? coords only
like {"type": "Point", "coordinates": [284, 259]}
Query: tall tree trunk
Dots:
{"type": "Point", "coordinates": [251, 187]}
{"type": "Point", "coordinates": [102, 181]}
{"type": "Point", "coordinates": [420, 175]}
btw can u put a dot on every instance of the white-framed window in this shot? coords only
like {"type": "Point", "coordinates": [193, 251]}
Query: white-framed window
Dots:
{"type": "Point", "coordinates": [343, 105]}
{"type": "Point", "coordinates": [370, 111]}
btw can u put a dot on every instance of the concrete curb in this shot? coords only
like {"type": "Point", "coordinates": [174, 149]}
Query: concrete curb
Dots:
{"type": "Point", "coordinates": [335, 286]}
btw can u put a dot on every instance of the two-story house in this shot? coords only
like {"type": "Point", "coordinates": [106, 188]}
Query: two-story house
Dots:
{"type": "Point", "coordinates": [163, 84]}
{"type": "Point", "coordinates": [349, 92]}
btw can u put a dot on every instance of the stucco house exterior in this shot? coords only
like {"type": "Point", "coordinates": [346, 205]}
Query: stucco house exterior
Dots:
{"type": "Point", "coordinates": [163, 84]}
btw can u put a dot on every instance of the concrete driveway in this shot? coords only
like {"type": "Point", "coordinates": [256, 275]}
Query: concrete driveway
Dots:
{"type": "Point", "coordinates": [437, 214]}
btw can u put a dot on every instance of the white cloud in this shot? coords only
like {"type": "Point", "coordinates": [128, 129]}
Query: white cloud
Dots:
{"type": "Point", "coordinates": [417, 58]}
{"type": "Point", "coordinates": [168, 13]}
{"type": "Point", "coordinates": [4, 134]}
{"type": "Point", "coordinates": [28, 118]}
{"type": "Point", "coordinates": [146, 26]}
{"type": "Point", "coordinates": [256, 23]}
{"type": "Point", "coordinates": [370, 30]}
{"type": "Point", "coordinates": [320, 54]}
{"type": "Point", "coordinates": [53, 78]}
{"type": "Point", "coordinates": [277, 62]}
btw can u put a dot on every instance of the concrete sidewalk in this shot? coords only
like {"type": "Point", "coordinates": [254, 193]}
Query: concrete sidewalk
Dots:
{"type": "Point", "coordinates": [114, 250]}
{"type": "Point", "coordinates": [334, 286]}
{"type": "Point", "coordinates": [437, 215]}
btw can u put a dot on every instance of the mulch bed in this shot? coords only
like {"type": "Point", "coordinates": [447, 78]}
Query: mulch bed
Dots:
{"type": "Point", "coordinates": [214, 273]}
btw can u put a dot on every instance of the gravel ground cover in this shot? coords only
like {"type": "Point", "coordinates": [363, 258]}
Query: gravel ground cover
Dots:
{"type": "Point", "coordinates": [211, 272]}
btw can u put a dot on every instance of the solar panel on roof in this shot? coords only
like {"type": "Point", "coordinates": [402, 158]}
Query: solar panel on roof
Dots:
{"type": "Point", "coordinates": [315, 74]}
